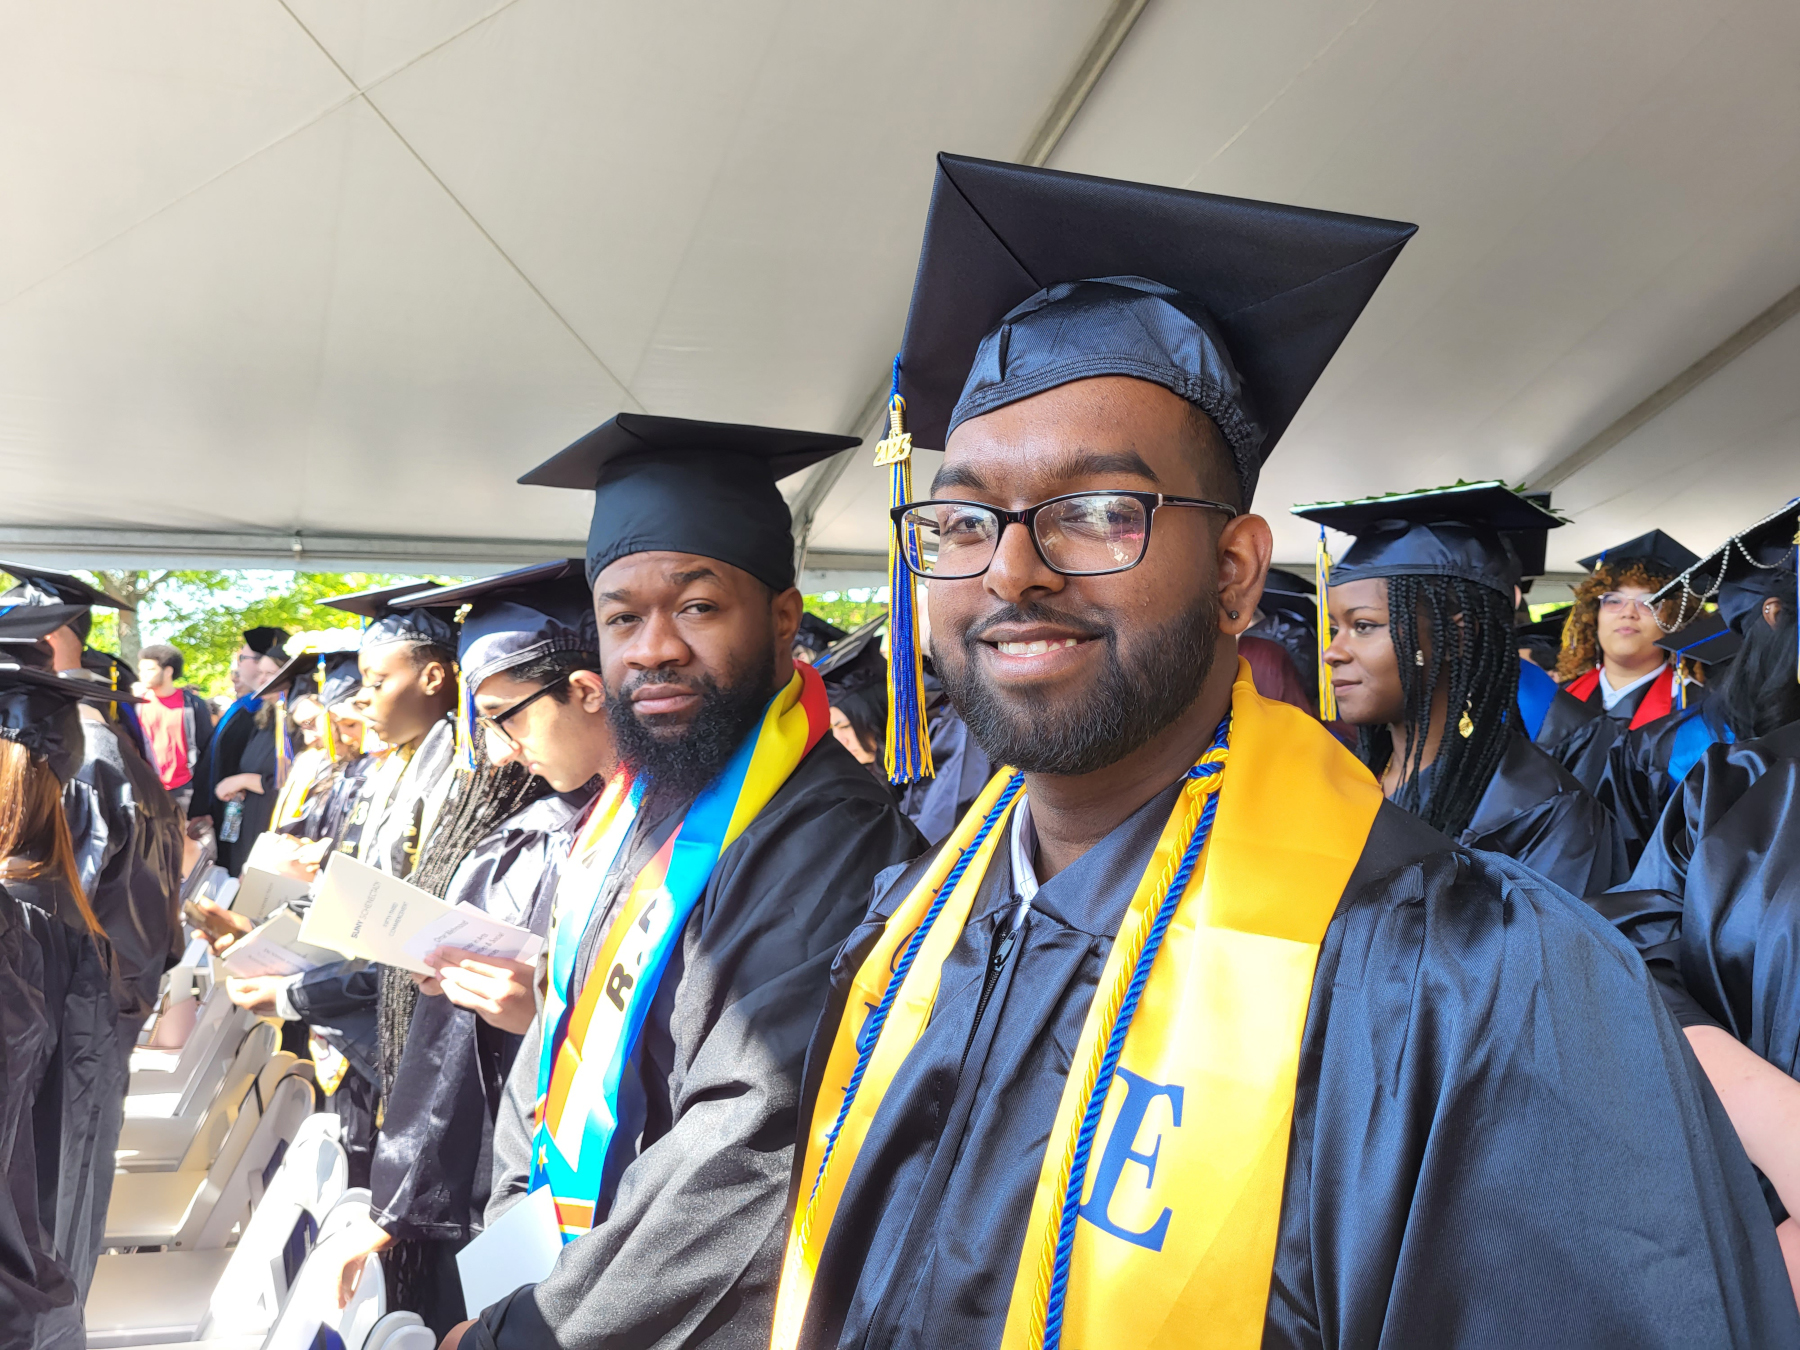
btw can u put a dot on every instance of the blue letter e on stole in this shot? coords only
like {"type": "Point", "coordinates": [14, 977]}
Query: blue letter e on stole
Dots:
{"type": "Point", "coordinates": [1121, 1148]}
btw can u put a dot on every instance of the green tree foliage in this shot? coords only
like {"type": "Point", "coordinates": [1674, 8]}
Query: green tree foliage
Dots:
{"type": "Point", "coordinates": [848, 609]}
{"type": "Point", "coordinates": [203, 614]}
{"type": "Point", "coordinates": [209, 621]}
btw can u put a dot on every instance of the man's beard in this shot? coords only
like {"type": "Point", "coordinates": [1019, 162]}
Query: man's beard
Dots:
{"type": "Point", "coordinates": [677, 764]}
{"type": "Point", "coordinates": [1126, 706]}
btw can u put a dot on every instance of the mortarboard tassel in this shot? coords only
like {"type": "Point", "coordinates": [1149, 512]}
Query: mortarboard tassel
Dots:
{"type": "Point", "coordinates": [908, 740]}
{"type": "Point", "coordinates": [1327, 695]}
{"type": "Point", "coordinates": [325, 715]}
{"type": "Point", "coordinates": [465, 723]}
{"type": "Point", "coordinates": [284, 753]}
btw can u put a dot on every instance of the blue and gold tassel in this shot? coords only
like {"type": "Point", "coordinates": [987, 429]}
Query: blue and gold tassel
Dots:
{"type": "Point", "coordinates": [465, 723]}
{"type": "Point", "coordinates": [1322, 571]}
{"type": "Point", "coordinates": [325, 714]}
{"type": "Point", "coordinates": [908, 740]}
{"type": "Point", "coordinates": [284, 753]}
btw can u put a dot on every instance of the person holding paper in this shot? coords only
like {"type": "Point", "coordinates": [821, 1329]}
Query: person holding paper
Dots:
{"type": "Point", "coordinates": [695, 919]}
{"type": "Point", "coordinates": [497, 839]}
{"type": "Point", "coordinates": [407, 661]}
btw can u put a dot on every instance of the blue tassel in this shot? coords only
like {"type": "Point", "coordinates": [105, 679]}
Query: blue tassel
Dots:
{"type": "Point", "coordinates": [908, 740]}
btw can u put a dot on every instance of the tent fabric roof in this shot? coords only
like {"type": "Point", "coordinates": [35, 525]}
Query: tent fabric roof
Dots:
{"type": "Point", "coordinates": [284, 279]}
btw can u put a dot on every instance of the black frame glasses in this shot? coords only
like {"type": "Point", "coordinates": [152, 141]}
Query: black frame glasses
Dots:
{"type": "Point", "coordinates": [496, 725]}
{"type": "Point", "coordinates": [1150, 501]}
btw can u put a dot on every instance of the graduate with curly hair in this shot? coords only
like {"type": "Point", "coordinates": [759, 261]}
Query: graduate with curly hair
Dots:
{"type": "Point", "coordinates": [1610, 655]}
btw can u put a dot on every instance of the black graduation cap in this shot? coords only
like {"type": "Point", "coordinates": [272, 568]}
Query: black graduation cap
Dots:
{"type": "Point", "coordinates": [668, 484]}
{"type": "Point", "coordinates": [432, 623]}
{"type": "Point", "coordinates": [38, 705]}
{"type": "Point", "coordinates": [300, 674]}
{"type": "Point", "coordinates": [518, 617]}
{"type": "Point", "coordinates": [846, 649]}
{"type": "Point", "coordinates": [1659, 552]}
{"type": "Point", "coordinates": [1708, 639]}
{"type": "Point", "coordinates": [266, 641]}
{"type": "Point", "coordinates": [54, 588]}
{"type": "Point", "coordinates": [1456, 531]}
{"type": "Point", "coordinates": [1549, 628]}
{"type": "Point", "coordinates": [30, 620]}
{"type": "Point", "coordinates": [1531, 545]}
{"type": "Point", "coordinates": [816, 635]}
{"type": "Point", "coordinates": [1032, 278]}
{"type": "Point", "coordinates": [1291, 593]}
{"type": "Point", "coordinates": [1757, 565]}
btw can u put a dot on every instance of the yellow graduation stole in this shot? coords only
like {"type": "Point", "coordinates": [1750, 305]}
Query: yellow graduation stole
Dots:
{"type": "Point", "coordinates": [1184, 1075]}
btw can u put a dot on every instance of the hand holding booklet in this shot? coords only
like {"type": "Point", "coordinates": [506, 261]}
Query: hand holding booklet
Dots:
{"type": "Point", "coordinates": [274, 948]}
{"type": "Point", "coordinates": [363, 912]}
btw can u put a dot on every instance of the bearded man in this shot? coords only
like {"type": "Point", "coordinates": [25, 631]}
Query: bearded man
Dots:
{"type": "Point", "coordinates": [1185, 1036]}
{"type": "Point", "coordinates": [654, 1104]}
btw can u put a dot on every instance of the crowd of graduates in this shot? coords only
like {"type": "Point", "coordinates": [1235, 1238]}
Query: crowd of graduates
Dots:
{"type": "Point", "coordinates": [1169, 950]}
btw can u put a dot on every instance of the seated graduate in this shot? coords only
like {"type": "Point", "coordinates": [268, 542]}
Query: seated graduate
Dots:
{"type": "Point", "coordinates": [696, 918]}
{"type": "Point", "coordinates": [1714, 904]}
{"type": "Point", "coordinates": [1747, 646]}
{"type": "Point", "coordinates": [1186, 1036]}
{"type": "Point", "coordinates": [1610, 657]}
{"type": "Point", "coordinates": [66, 1061]}
{"type": "Point", "coordinates": [1423, 660]}
{"type": "Point", "coordinates": [126, 827]}
{"type": "Point", "coordinates": [492, 846]}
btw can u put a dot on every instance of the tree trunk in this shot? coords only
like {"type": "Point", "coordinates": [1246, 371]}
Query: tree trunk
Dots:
{"type": "Point", "coordinates": [133, 588]}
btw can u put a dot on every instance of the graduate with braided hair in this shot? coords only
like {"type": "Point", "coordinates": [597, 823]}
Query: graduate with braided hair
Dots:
{"type": "Point", "coordinates": [492, 844]}
{"type": "Point", "coordinates": [1424, 661]}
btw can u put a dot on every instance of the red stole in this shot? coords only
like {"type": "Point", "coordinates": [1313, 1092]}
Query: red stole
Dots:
{"type": "Point", "coordinates": [1658, 700]}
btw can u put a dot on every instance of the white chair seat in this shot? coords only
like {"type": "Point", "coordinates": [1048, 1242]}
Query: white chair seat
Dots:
{"type": "Point", "coordinates": [143, 1298]}
{"type": "Point", "coordinates": [149, 1208]}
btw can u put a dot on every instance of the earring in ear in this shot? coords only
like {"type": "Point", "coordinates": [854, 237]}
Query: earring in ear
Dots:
{"type": "Point", "coordinates": [1232, 613]}
{"type": "Point", "coordinates": [1466, 727]}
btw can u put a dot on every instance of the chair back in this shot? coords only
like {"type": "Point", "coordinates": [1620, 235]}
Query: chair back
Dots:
{"type": "Point", "coordinates": [308, 1182]}
{"type": "Point", "coordinates": [311, 1315]}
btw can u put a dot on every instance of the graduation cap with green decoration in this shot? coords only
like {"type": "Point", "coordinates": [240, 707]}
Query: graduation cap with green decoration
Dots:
{"type": "Point", "coordinates": [1030, 279]}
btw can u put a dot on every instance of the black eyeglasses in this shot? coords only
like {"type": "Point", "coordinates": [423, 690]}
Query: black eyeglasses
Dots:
{"type": "Point", "coordinates": [496, 725]}
{"type": "Point", "coordinates": [1080, 534]}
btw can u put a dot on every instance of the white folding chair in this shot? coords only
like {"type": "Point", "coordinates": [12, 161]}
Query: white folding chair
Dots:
{"type": "Point", "coordinates": [164, 1075]}
{"type": "Point", "coordinates": [191, 1139]}
{"type": "Point", "coordinates": [181, 1209]}
{"type": "Point", "coordinates": [312, 1307]}
{"type": "Point", "coordinates": [147, 1298]}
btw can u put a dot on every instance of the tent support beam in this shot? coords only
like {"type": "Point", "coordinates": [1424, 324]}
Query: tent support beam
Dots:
{"type": "Point", "coordinates": [1670, 394]}
{"type": "Point", "coordinates": [131, 547]}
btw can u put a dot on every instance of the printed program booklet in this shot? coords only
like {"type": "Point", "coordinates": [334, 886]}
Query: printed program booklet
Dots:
{"type": "Point", "coordinates": [363, 912]}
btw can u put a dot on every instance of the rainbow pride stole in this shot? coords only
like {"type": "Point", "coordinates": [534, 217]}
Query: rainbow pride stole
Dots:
{"type": "Point", "coordinates": [589, 1041]}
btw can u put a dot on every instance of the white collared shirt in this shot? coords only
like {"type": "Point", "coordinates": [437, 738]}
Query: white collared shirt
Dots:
{"type": "Point", "coordinates": [1609, 697]}
{"type": "Point", "coordinates": [1024, 844]}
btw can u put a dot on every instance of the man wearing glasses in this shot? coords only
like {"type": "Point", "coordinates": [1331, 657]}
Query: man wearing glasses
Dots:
{"type": "Point", "coordinates": [650, 1117]}
{"type": "Point", "coordinates": [1185, 1036]}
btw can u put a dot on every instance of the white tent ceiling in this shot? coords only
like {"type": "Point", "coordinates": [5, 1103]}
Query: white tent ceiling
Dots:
{"type": "Point", "coordinates": [332, 273]}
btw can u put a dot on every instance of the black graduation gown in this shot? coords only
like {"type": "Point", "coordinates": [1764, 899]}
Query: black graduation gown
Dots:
{"type": "Point", "coordinates": [80, 1105]}
{"type": "Point", "coordinates": [1536, 813]}
{"type": "Point", "coordinates": [691, 1248]}
{"type": "Point", "coordinates": [1578, 735]}
{"type": "Point", "coordinates": [1714, 904]}
{"type": "Point", "coordinates": [936, 804]}
{"type": "Point", "coordinates": [1645, 766]}
{"type": "Point", "coordinates": [1499, 1138]}
{"type": "Point", "coordinates": [433, 1160]}
{"type": "Point", "coordinates": [40, 1305]}
{"type": "Point", "coordinates": [128, 840]}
